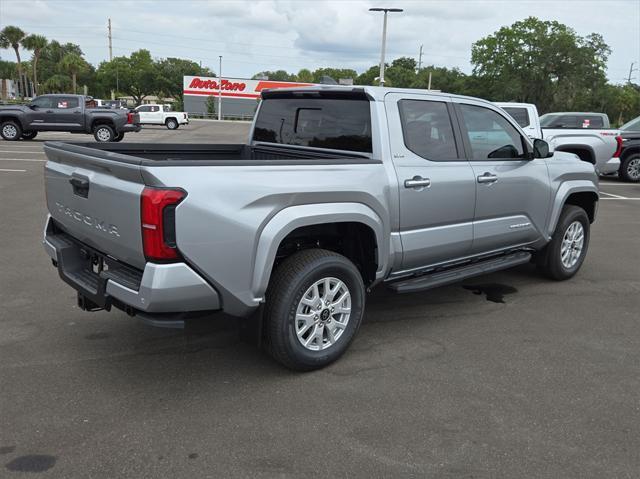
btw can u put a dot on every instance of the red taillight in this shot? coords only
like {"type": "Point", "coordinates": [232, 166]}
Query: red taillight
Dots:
{"type": "Point", "coordinates": [130, 117]}
{"type": "Point", "coordinates": [619, 149]}
{"type": "Point", "coordinates": [156, 210]}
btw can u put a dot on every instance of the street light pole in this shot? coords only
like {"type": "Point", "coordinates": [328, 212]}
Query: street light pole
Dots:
{"type": "Point", "coordinates": [220, 89]}
{"type": "Point", "coordinates": [384, 36]}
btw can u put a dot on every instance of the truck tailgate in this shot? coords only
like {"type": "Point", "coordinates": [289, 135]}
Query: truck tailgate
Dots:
{"type": "Point", "coordinates": [95, 197]}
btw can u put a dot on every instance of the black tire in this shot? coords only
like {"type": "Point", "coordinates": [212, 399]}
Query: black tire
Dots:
{"type": "Point", "coordinates": [172, 124]}
{"type": "Point", "coordinates": [289, 282]}
{"type": "Point", "coordinates": [630, 168]}
{"type": "Point", "coordinates": [119, 136]}
{"type": "Point", "coordinates": [10, 130]}
{"type": "Point", "coordinates": [549, 260]}
{"type": "Point", "coordinates": [104, 133]}
{"type": "Point", "coordinates": [29, 135]}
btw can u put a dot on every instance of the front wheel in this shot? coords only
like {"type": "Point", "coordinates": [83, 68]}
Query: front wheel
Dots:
{"type": "Point", "coordinates": [104, 133]}
{"type": "Point", "coordinates": [10, 131]}
{"type": "Point", "coordinates": [314, 307]}
{"type": "Point", "coordinates": [29, 135]}
{"type": "Point", "coordinates": [563, 256]}
{"type": "Point", "coordinates": [172, 124]}
{"type": "Point", "coordinates": [630, 168]}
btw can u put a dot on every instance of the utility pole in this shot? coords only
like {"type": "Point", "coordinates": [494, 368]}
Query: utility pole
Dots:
{"type": "Point", "coordinates": [631, 70]}
{"type": "Point", "coordinates": [220, 89]}
{"type": "Point", "coordinates": [420, 58]}
{"type": "Point", "coordinates": [384, 37]}
{"type": "Point", "coordinates": [110, 45]}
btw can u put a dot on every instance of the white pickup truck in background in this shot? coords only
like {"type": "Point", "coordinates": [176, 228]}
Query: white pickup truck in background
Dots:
{"type": "Point", "coordinates": [601, 147]}
{"type": "Point", "coordinates": [156, 114]}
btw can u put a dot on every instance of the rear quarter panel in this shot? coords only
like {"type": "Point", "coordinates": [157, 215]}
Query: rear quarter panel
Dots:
{"type": "Point", "coordinates": [220, 223]}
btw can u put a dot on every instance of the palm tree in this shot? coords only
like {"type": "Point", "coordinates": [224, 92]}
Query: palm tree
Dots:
{"type": "Point", "coordinates": [35, 43]}
{"type": "Point", "coordinates": [73, 64]}
{"type": "Point", "coordinates": [11, 36]}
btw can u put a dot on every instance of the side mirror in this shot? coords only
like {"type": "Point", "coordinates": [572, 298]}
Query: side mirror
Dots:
{"type": "Point", "coordinates": [541, 149]}
{"type": "Point", "coordinates": [33, 107]}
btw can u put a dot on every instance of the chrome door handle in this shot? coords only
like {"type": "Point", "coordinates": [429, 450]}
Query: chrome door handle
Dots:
{"type": "Point", "coordinates": [487, 178]}
{"type": "Point", "coordinates": [417, 182]}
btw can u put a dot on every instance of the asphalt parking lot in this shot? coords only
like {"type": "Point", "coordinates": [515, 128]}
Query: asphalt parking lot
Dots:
{"type": "Point", "coordinates": [508, 375]}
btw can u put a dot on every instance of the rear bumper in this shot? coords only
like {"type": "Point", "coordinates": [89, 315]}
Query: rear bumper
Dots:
{"type": "Point", "coordinates": [611, 166]}
{"type": "Point", "coordinates": [131, 127]}
{"type": "Point", "coordinates": [159, 288]}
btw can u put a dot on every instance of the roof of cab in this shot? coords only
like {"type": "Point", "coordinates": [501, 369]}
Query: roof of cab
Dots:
{"type": "Point", "coordinates": [375, 93]}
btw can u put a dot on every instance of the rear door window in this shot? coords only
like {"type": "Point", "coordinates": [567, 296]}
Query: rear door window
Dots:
{"type": "Point", "coordinates": [427, 130]}
{"type": "Point", "coordinates": [66, 102]}
{"type": "Point", "coordinates": [337, 124]}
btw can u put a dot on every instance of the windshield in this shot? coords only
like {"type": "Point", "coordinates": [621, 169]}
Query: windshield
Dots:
{"type": "Point", "coordinates": [633, 125]}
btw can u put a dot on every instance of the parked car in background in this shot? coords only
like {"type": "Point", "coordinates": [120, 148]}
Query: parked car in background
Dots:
{"type": "Point", "coordinates": [630, 154]}
{"type": "Point", "coordinates": [338, 190]}
{"type": "Point", "coordinates": [70, 113]}
{"type": "Point", "coordinates": [574, 120]}
{"type": "Point", "coordinates": [156, 114]}
{"type": "Point", "coordinates": [600, 147]}
{"type": "Point", "coordinates": [631, 126]}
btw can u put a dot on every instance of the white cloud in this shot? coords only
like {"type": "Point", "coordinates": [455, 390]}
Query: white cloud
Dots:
{"type": "Point", "coordinates": [292, 34]}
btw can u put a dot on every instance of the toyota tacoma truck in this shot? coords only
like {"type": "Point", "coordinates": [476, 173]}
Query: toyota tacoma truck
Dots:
{"type": "Point", "coordinates": [69, 113]}
{"type": "Point", "coordinates": [154, 114]}
{"type": "Point", "coordinates": [337, 190]}
{"type": "Point", "coordinates": [595, 143]}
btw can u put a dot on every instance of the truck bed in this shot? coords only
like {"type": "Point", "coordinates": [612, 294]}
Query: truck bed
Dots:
{"type": "Point", "coordinates": [153, 154]}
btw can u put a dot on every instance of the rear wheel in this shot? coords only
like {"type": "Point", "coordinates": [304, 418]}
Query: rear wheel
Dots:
{"type": "Point", "coordinates": [29, 135]}
{"type": "Point", "coordinates": [10, 131]}
{"type": "Point", "coordinates": [119, 136]}
{"type": "Point", "coordinates": [315, 304]}
{"type": "Point", "coordinates": [563, 256]}
{"type": "Point", "coordinates": [104, 133]}
{"type": "Point", "coordinates": [630, 168]}
{"type": "Point", "coordinates": [172, 124]}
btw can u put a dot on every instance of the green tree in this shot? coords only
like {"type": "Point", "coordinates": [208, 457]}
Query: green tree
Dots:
{"type": "Point", "coordinates": [369, 76]}
{"type": "Point", "coordinates": [11, 36]}
{"type": "Point", "coordinates": [56, 84]}
{"type": "Point", "coordinates": [170, 72]}
{"type": "Point", "coordinates": [211, 105]}
{"type": "Point", "coordinates": [541, 62]}
{"type": "Point", "coordinates": [277, 75]}
{"type": "Point", "coordinates": [136, 75]}
{"type": "Point", "coordinates": [73, 64]}
{"type": "Point", "coordinates": [335, 73]}
{"type": "Point", "coordinates": [401, 73]}
{"type": "Point", "coordinates": [35, 43]}
{"type": "Point", "coordinates": [304, 76]}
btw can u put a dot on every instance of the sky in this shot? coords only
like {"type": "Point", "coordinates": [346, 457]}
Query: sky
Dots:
{"type": "Point", "coordinates": [258, 35]}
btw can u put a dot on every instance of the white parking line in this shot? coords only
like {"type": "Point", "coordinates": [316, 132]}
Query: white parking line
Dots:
{"type": "Point", "coordinates": [620, 199]}
{"type": "Point", "coordinates": [23, 159]}
{"type": "Point", "coordinates": [613, 196]}
{"type": "Point", "coordinates": [607, 185]}
{"type": "Point", "coordinates": [12, 171]}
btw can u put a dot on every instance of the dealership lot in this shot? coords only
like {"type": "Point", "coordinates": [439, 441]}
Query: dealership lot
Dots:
{"type": "Point", "coordinates": [508, 375]}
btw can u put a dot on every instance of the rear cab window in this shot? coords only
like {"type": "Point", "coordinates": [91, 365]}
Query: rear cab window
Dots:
{"type": "Point", "coordinates": [520, 115]}
{"type": "Point", "coordinates": [337, 123]}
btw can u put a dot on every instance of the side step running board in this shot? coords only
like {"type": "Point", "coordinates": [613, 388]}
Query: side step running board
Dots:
{"type": "Point", "coordinates": [455, 274]}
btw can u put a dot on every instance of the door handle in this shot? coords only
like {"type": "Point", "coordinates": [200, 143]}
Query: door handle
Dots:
{"type": "Point", "coordinates": [417, 182]}
{"type": "Point", "coordinates": [76, 111]}
{"type": "Point", "coordinates": [49, 111]}
{"type": "Point", "coordinates": [487, 178]}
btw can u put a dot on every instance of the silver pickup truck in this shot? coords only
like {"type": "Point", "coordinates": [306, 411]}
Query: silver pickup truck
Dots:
{"type": "Point", "coordinates": [339, 189]}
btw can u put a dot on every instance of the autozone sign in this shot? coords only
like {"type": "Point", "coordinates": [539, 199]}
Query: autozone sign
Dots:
{"type": "Point", "coordinates": [231, 87]}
